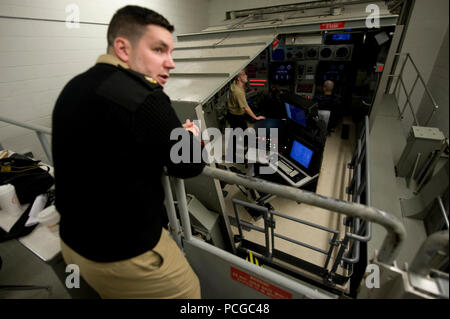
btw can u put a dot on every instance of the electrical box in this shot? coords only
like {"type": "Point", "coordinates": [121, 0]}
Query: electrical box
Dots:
{"type": "Point", "coordinates": [421, 140]}
{"type": "Point", "coordinates": [204, 222]}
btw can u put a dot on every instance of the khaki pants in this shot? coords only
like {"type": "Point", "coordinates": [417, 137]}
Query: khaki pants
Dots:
{"type": "Point", "coordinates": [162, 272]}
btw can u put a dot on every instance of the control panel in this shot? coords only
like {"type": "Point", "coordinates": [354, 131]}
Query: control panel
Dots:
{"type": "Point", "coordinates": [306, 77]}
{"type": "Point", "coordinates": [257, 72]}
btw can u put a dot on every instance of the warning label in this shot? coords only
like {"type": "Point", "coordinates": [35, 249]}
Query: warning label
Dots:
{"type": "Point", "coordinates": [259, 284]}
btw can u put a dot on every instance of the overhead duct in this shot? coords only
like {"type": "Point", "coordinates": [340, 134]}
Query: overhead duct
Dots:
{"type": "Point", "coordinates": [335, 5]}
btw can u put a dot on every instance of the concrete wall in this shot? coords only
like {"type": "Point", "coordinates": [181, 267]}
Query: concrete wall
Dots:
{"type": "Point", "coordinates": [438, 85]}
{"type": "Point", "coordinates": [425, 35]}
{"type": "Point", "coordinates": [39, 54]}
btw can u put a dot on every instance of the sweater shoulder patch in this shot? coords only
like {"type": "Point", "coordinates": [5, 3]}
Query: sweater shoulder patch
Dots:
{"type": "Point", "coordinates": [128, 88]}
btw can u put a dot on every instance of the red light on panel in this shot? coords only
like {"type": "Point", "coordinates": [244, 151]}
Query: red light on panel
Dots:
{"type": "Point", "coordinates": [305, 88]}
{"type": "Point", "coordinates": [256, 84]}
{"type": "Point", "coordinates": [258, 80]}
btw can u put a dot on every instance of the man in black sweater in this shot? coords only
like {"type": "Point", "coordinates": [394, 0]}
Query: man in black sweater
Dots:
{"type": "Point", "coordinates": [111, 141]}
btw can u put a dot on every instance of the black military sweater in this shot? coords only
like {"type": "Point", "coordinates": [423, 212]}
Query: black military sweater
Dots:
{"type": "Point", "coordinates": [110, 142]}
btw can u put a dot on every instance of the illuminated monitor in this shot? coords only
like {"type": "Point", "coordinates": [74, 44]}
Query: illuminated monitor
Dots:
{"type": "Point", "coordinates": [341, 37]}
{"type": "Point", "coordinates": [278, 55]}
{"type": "Point", "coordinates": [295, 114]}
{"type": "Point", "coordinates": [282, 73]}
{"type": "Point", "coordinates": [301, 154]}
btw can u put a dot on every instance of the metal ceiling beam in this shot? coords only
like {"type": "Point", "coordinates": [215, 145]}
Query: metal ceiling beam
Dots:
{"type": "Point", "coordinates": [305, 27]}
{"type": "Point", "coordinates": [216, 58]}
{"type": "Point", "coordinates": [295, 7]}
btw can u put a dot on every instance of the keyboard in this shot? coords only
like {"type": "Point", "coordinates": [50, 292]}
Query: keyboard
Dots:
{"type": "Point", "coordinates": [291, 172]}
{"type": "Point", "coordinates": [287, 170]}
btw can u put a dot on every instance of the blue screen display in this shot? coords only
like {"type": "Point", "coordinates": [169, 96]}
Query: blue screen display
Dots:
{"type": "Point", "coordinates": [340, 37]}
{"type": "Point", "coordinates": [278, 55]}
{"type": "Point", "coordinates": [301, 154]}
{"type": "Point", "coordinates": [295, 114]}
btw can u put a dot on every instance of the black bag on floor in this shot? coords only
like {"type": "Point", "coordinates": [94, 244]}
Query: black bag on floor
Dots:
{"type": "Point", "coordinates": [28, 177]}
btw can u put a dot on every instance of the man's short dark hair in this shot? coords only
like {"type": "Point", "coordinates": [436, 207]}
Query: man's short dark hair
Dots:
{"type": "Point", "coordinates": [130, 21]}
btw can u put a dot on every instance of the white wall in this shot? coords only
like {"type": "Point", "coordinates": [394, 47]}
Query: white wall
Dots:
{"type": "Point", "coordinates": [424, 36]}
{"type": "Point", "coordinates": [38, 57]}
{"type": "Point", "coordinates": [218, 8]}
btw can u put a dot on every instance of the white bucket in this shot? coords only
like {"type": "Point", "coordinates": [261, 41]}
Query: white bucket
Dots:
{"type": "Point", "coordinates": [50, 217]}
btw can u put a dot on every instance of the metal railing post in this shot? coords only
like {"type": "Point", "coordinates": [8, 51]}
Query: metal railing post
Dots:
{"type": "Point", "coordinates": [340, 254]}
{"type": "Point", "coordinates": [333, 243]}
{"type": "Point", "coordinates": [368, 197]}
{"type": "Point", "coordinates": [45, 146]}
{"type": "Point", "coordinates": [182, 207]}
{"type": "Point", "coordinates": [171, 212]}
{"type": "Point", "coordinates": [361, 154]}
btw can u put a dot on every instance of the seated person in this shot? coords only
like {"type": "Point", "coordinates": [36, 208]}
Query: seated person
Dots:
{"type": "Point", "coordinates": [329, 102]}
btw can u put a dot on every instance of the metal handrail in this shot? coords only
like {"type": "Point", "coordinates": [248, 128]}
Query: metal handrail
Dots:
{"type": "Point", "coordinates": [266, 213]}
{"type": "Point", "coordinates": [422, 262]}
{"type": "Point", "coordinates": [40, 131]}
{"type": "Point", "coordinates": [408, 95]}
{"type": "Point", "coordinates": [362, 152]}
{"type": "Point", "coordinates": [395, 230]}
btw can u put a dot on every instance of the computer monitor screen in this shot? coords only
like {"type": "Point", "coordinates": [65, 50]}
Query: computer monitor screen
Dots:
{"type": "Point", "coordinates": [278, 55]}
{"type": "Point", "coordinates": [282, 73]}
{"type": "Point", "coordinates": [301, 154]}
{"type": "Point", "coordinates": [295, 114]}
{"type": "Point", "coordinates": [340, 37]}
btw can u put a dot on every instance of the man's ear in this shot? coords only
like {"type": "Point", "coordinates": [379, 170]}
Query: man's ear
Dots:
{"type": "Point", "coordinates": [122, 48]}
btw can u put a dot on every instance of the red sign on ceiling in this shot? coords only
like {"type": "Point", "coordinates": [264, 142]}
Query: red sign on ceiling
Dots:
{"type": "Point", "coordinates": [332, 25]}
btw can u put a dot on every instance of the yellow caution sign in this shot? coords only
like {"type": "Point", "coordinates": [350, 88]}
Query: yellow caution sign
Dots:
{"type": "Point", "coordinates": [253, 260]}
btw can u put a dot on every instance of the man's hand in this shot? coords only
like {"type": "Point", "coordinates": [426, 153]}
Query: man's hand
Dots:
{"type": "Point", "coordinates": [190, 126]}
{"type": "Point", "coordinates": [260, 118]}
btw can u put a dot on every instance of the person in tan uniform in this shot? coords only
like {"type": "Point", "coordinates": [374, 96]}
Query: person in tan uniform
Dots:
{"type": "Point", "coordinates": [237, 103]}
{"type": "Point", "coordinates": [237, 108]}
